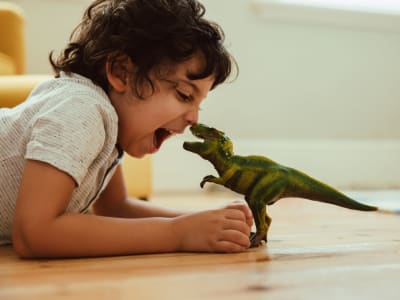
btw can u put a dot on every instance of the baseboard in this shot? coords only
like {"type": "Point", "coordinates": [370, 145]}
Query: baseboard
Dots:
{"type": "Point", "coordinates": [345, 164]}
{"type": "Point", "coordinates": [380, 16]}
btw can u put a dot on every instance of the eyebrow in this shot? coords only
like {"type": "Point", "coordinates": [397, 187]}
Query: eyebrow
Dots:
{"type": "Point", "coordinates": [177, 80]}
{"type": "Point", "coordinates": [195, 87]}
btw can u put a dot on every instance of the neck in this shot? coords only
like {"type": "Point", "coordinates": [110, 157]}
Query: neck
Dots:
{"type": "Point", "coordinates": [221, 159]}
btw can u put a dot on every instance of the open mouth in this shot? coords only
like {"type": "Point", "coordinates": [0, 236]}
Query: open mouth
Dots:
{"type": "Point", "coordinates": [160, 135]}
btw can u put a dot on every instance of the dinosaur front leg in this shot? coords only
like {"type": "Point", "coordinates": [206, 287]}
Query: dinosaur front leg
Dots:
{"type": "Point", "coordinates": [211, 178]}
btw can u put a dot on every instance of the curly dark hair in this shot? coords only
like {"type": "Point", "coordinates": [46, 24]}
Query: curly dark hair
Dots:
{"type": "Point", "coordinates": [151, 33]}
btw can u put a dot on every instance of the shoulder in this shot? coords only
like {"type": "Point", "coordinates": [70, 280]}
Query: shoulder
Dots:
{"type": "Point", "coordinates": [73, 125]}
{"type": "Point", "coordinates": [74, 98]}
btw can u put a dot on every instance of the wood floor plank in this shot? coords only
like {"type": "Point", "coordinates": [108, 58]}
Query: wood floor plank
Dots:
{"type": "Point", "coordinates": [315, 251]}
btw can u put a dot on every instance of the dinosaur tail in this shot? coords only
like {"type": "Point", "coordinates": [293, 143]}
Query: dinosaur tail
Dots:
{"type": "Point", "coordinates": [304, 186]}
{"type": "Point", "coordinates": [389, 211]}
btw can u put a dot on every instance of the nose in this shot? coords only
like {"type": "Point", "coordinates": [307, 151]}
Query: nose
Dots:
{"type": "Point", "coordinates": [192, 117]}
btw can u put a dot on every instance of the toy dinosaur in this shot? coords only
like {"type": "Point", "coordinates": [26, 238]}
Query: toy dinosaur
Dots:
{"type": "Point", "coordinates": [260, 179]}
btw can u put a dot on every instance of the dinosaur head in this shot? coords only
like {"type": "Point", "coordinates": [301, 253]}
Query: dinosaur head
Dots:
{"type": "Point", "coordinates": [214, 142]}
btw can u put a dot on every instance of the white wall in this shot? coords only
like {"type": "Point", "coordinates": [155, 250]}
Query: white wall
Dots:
{"type": "Point", "coordinates": [48, 26]}
{"type": "Point", "coordinates": [319, 93]}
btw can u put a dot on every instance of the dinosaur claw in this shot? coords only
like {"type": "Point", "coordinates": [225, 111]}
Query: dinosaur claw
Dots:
{"type": "Point", "coordinates": [257, 240]}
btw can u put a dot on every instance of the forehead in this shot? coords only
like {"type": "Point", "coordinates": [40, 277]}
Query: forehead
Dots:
{"type": "Point", "coordinates": [184, 70]}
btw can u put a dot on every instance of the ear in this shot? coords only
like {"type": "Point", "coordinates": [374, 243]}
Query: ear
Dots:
{"type": "Point", "coordinates": [118, 73]}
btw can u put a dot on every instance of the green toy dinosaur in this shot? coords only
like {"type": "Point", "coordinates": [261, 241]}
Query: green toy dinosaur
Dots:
{"type": "Point", "coordinates": [260, 179]}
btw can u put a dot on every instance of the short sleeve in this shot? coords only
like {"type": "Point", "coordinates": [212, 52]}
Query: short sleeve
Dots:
{"type": "Point", "coordinates": [68, 136]}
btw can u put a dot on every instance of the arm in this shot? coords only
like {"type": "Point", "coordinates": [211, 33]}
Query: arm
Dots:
{"type": "Point", "coordinates": [43, 229]}
{"type": "Point", "coordinates": [114, 202]}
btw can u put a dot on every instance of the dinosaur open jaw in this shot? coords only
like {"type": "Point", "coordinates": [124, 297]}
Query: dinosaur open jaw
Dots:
{"type": "Point", "coordinates": [197, 131]}
{"type": "Point", "coordinates": [199, 135]}
{"type": "Point", "coordinates": [204, 132]}
{"type": "Point", "coordinates": [192, 146]}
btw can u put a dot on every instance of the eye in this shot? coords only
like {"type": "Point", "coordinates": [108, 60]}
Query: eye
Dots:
{"type": "Point", "coordinates": [184, 97]}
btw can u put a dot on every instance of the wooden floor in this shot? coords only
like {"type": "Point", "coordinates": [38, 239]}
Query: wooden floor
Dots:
{"type": "Point", "coordinates": [315, 251]}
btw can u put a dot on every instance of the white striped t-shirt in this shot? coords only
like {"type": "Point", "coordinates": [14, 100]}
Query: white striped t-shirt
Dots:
{"type": "Point", "coordinates": [67, 122]}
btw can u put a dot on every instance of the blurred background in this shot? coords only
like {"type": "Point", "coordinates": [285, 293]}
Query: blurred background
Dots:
{"type": "Point", "coordinates": [318, 86]}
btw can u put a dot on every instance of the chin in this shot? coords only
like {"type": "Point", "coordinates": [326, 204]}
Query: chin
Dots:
{"type": "Point", "coordinates": [133, 152]}
{"type": "Point", "coordinates": [139, 153]}
{"type": "Point", "coordinates": [136, 154]}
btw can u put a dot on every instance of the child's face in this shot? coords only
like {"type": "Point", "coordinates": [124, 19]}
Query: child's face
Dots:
{"type": "Point", "coordinates": [144, 124]}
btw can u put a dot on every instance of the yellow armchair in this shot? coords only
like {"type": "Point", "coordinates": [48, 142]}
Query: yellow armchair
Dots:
{"type": "Point", "coordinates": [12, 39]}
{"type": "Point", "coordinates": [15, 87]}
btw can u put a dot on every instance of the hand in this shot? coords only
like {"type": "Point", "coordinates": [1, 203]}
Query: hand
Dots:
{"type": "Point", "coordinates": [221, 230]}
{"type": "Point", "coordinates": [242, 205]}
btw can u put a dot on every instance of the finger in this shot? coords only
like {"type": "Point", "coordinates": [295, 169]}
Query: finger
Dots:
{"type": "Point", "coordinates": [237, 225]}
{"type": "Point", "coordinates": [242, 205]}
{"type": "Point", "coordinates": [229, 247]}
{"type": "Point", "coordinates": [238, 201]}
{"type": "Point", "coordinates": [235, 214]}
{"type": "Point", "coordinates": [239, 214]}
{"type": "Point", "coordinates": [250, 221]}
{"type": "Point", "coordinates": [236, 237]}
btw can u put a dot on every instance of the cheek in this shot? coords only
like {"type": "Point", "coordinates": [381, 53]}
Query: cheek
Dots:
{"type": "Point", "coordinates": [167, 109]}
{"type": "Point", "coordinates": [135, 127]}
{"type": "Point", "coordinates": [127, 128]}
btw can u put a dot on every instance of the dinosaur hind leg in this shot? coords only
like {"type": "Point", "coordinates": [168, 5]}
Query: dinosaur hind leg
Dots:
{"type": "Point", "coordinates": [262, 221]}
{"type": "Point", "coordinates": [267, 192]}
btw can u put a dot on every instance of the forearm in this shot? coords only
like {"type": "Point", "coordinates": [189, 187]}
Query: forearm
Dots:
{"type": "Point", "coordinates": [133, 208]}
{"type": "Point", "coordinates": [74, 235]}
